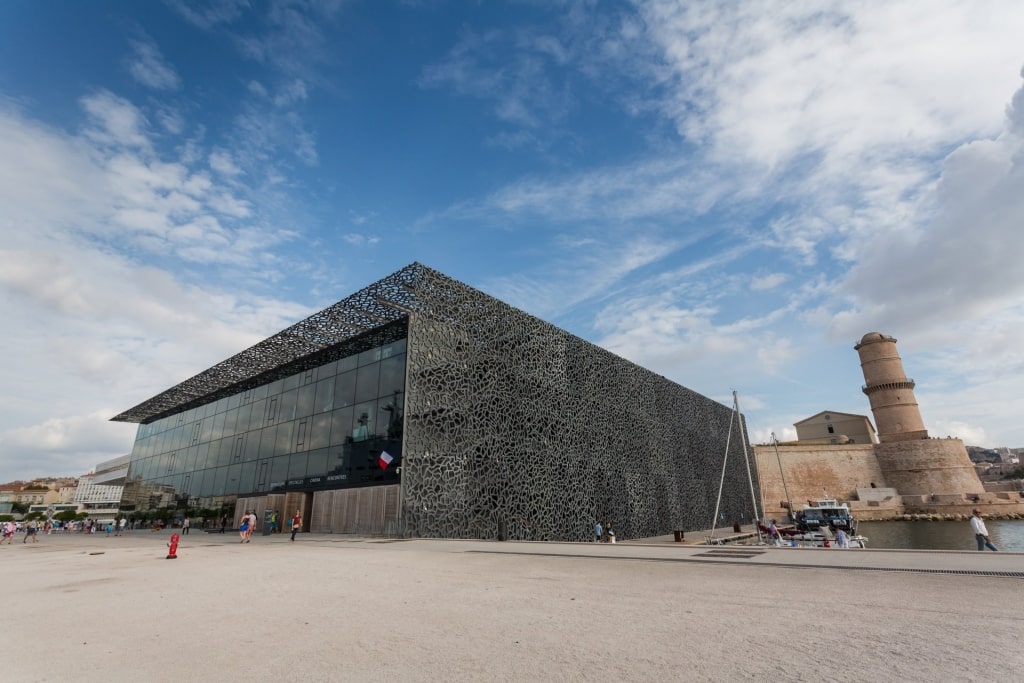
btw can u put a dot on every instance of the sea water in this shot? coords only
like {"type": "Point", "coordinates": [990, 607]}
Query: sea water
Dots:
{"type": "Point", "coordinates": [1006, 534]}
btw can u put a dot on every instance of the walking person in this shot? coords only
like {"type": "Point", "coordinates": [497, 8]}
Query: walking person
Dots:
{"type": "Point", "coordinates": [30, 531]}
{"type": "Point", "coordinates": [243, 528]}
{"type": "Point", "coordinates": [252, 525]}
{"type": "Point", "coordinates": [981, 531]}
{"type": "Point", "coordinates": [185, 524]}
{"type": "Point", "coordinates": [296, 524]}
{"type": "Point", "coordinates": [776, 536]}
{"type": "Point", "coordinates": [223, 523]}
{"type": "Point", "coordinates": [598, 530]}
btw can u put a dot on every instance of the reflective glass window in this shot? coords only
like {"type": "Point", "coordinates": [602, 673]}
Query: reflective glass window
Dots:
{"type": "Point", "coordinates": [230, 418]}
{"type": "Point", "coordinates": [234, 401]}
{"type": "Point", "coordinates": [270, 416]}
{"type": "Point", "coordinates": [304, 401]}
{"type": "Point", "coordinates": [262, 475]}
{"type": "Point", "coordinates": [284, 440]}
{"type": "Point", "coordinates": [341, 426]}
{"type": "Point", "coordinates": [346, 364]}
{"type": "Point", "coordinates": [199, 484]}
{"type": "Point", "coordinates": [392, 375]}
{"type": "Point", "coordinates": [259, 393]}
{"type": "Point", "coordinates": [242, 423]}
{"type": "Point", "coordinates": [234, 482]}
{"type": "Point", "coordinates": [220, 452]}
{"type": "Point", "coordinates": [327, 370]}
{"type": "Point", "coordinates": [345, 389]}
{"type": "Point", "coordinates": [206, 429]}
{"type": "Point", "coordinates": [301, 435]}
{"type": "Point", "coordinates": [365, 423]}
{"type": "Point", "coordinates": [291, 382]}
{"type": "Point", "coordinates": [246, 479]}
{"type": "Point", "coordinates": [337, 460]}
{"type": "Point", "coordinates": [390, 416]}
{"type": "Point", "coordinates": [317, 465]}
{"type": "Point", "coordinates": [297, 466]}
{"type": "Point", "coordinates": [202, 452]}
{"type": "Point", "coordinates": [217, 431]}
{"type": "Point", "coordinates": [319, 435]}
{"type": "Point", "coordinates": [324, 401]}
{"type": "Point", "coordinates": [286, 406]}
{"type": "Point", "coordinates": [369, 356]}
{"type": "Point", "coordinates": [190, 458]}
{"type": "Point", "coordinates": [367, 382]}
{"type": "Point", "coordinates": [177, 439]}
{"type": "Point", "coordinates": [259, 409]}
{"type": "Point", "coordinates": [220, 477]}
{"type": "Point", "coordinates": [267, 439]}
{"type": "Point", "coordinates": [279, 469]}
{"type": "Point", "coordinates": [251, 447]}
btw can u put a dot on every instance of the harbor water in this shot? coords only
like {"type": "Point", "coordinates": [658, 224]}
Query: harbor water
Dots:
{"type": "Point", "coordinates": [1006, 534]}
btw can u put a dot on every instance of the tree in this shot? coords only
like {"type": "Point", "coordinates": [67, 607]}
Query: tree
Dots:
{"type": "Point", "coordinates": [19, 508]}
{"type": "Point", "coordinates": [66, 516]}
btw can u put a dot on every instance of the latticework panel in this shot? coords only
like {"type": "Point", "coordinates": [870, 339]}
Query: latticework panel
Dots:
{"type": "Point", "coordinates": [304, 344]}
{"type": "Point", "coordinates": [511, 419]}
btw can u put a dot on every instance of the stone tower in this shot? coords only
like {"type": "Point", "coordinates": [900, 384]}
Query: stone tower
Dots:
{"type": "Point", "coordinates": [897, 417]}
{"type": "Point", "coordinates": [910, 461]}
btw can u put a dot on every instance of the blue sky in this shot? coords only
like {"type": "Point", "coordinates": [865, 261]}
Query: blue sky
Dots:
{"type": "Point", "coordinates": [730, 194]}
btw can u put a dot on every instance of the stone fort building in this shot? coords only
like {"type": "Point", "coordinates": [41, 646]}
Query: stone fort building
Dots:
{"type": "Point", "coordinates": [905, 472]}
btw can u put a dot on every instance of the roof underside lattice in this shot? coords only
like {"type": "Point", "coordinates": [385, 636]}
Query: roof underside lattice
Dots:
{"type": "Point", "coordinates": [388, 300]}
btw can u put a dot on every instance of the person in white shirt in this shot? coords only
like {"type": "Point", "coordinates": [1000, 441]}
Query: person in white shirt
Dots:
{"type": "Point", "coordinates": [981, 531]}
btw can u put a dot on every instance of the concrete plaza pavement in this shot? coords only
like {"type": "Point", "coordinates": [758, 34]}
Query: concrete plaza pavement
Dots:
{"type": "Point", "coordinates": [343, 608]}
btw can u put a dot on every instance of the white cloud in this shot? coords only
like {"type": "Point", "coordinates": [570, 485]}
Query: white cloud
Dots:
{"type": "Point", "coordinates": [115, 121]}
{"type": "Point", "coordinates": [769, 281]}
{"type": "Point", "coordinates": [357, 240]}
{"type": "Point", "coordinates": [221, 162]}
{"type": "Point", "coordinates": [148, 67]}
{"type": "Point", "coordinates": [91, 326]}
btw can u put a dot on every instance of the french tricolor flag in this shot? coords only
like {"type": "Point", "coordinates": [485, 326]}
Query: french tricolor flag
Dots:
{"type": "Point", "coordinates": [384, 460]}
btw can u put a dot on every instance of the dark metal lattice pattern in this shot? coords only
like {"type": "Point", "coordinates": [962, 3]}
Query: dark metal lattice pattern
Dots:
{"type": "Point", "coordinates": [382, 302]}
{"type": "Point", "coordinates": [512, 420]}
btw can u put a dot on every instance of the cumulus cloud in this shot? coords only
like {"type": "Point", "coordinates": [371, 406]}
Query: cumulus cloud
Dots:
{"type": "Point", "coordinates": [92, 222]}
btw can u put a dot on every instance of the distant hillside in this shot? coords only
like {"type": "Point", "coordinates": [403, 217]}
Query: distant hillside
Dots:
{"type": "Point", "coordinates": [980, 454]}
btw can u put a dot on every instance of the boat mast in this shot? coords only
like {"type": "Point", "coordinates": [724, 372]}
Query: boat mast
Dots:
{"type": "Point", "coordinates": [789, 502]}
{"type": "Point", "coordinates": [746, 459]}
{"type": "Point", "coordinates": [725, 460]}
{"type": "Point", "coordinates": [721, 481]}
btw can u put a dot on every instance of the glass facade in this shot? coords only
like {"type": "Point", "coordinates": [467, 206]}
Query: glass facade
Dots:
{"type": "Point", "coordinates": [322, 427]}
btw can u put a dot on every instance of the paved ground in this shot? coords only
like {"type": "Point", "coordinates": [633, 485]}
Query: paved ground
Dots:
{"type": "Point", "coordinates": [338, 608]}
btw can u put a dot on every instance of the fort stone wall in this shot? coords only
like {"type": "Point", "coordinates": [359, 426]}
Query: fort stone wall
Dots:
{"type": "Point", "coordinates": [811, 470]}
{"type": "Point", "coordinates": [928, 467]}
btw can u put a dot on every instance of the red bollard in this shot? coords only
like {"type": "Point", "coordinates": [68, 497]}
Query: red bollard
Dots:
{"type": "Point", "coordinates": [172, 554]}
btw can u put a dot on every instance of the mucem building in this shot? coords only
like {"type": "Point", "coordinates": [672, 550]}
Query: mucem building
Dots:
{"type": "Point", "coordinates": [421, 407]}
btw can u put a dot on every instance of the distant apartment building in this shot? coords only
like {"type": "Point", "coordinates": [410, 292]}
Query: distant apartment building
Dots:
{"type": "Point", "coordinates": [832, 427]}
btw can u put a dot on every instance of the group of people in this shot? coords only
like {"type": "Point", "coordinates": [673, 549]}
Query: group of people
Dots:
{"type": "Point", "coordinates": [603, 534]}
{"type": "Point", "coordinates": [247, 524]}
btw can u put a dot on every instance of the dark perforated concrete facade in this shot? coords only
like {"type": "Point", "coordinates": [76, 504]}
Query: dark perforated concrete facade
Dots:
{"type": "Point", "coordinates": [510, 419]}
